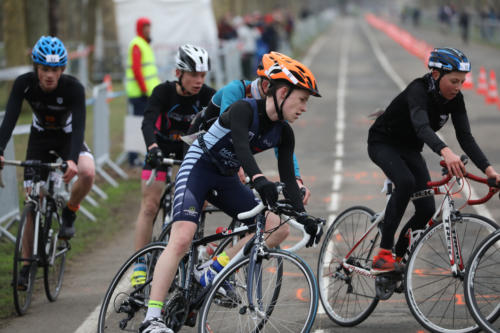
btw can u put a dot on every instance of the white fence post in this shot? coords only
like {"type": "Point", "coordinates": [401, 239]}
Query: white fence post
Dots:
{"type": "Point", "coordinates": [102, 137]}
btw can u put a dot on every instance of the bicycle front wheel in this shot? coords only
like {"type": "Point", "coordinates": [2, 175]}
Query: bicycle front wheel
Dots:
{"type": "Point", "coordinates": [124, 306]}
{"type": "Point", "coordinates": [434, 293]}
{"type": "Point", "coordinates": [25, 266]}
{"type": "Point", "coordinates": [55, 258]}
{"type": "Point", "coordinates": [347, 297]}
{"type": "Point", "coordinates": [226, 307]}
{"type": "Point", "coordinates": [482, 281]}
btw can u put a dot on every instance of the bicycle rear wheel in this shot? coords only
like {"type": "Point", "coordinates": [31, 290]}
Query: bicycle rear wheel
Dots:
{"type": "Point", "coordinates": [347, 297]}
{"type": "Point", "coordinates": [22, 295]}
{"type": "Point", "coordinates": [124, 306]}
{"type": "Point", "coordinates": [293, 311]}
{"type": "Point", "coordinates": [55, 258]}
{"type": "Point", "coordinates": [482, 281]}
{"type": "Point", "coordinates": [434, 294]}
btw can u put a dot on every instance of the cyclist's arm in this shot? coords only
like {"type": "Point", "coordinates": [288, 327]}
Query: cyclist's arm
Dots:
{"type": "Point", "coordinates": [286, 168]}
{"type": "Point", "coordinates": [78, 114]}
{"type": "Point", "coordinates": [240, 118]}
{"type": "Point", "coordinates": [295, 163]}
{"type": "Point", "coordinates": [151, 115]}
{"type": "Point", "coordinates": [466, 140]}
{"type": "Point", "coordinates": [417, 104]}
{"type": "Point", "coordinates": [12, 112]}
{"type": "Point", "coordinates": [231, 93]}
{"type": "Point", "coordinates": [137, 69]}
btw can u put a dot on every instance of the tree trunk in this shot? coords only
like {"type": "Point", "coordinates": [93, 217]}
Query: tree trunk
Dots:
{"type": "Point", "coordinates": [111, 59]}
{"type": "Point", "coordinates": [90, 32]}
{"type": "Point", "coordinates": [53, 17]}
{"type": "Point", "coordinates": [14, 33]}
{"type": "Point", "coordinates": [37, 20]}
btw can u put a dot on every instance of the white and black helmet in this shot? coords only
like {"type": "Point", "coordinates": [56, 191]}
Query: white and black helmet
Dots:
{"type": "Point", "coordinates": [192, 58]}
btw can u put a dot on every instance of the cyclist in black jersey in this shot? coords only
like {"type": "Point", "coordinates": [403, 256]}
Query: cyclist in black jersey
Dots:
{"type": "Point", "coordinates": [58, 104]}
{"type": "Point", "coordinates": [170, 110]}
{"type": "Point", "coordinates": [396, 139]}
{"type": "Point", "coordinates": [212, 162]}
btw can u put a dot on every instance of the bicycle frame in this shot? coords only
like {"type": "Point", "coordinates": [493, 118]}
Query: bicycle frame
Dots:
{"type": "Point", "coordinates": [256, 247]}
{"type": "Point", "coordinates": [445, 213]}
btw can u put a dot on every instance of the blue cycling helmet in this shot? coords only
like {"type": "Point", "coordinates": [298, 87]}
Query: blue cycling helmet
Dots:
{"type": "Point", "coordinates": [448, 59]}
{"type": "Point", "coordinates": [49, 51]}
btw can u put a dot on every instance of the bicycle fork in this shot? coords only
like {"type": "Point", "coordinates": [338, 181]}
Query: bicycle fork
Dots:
{"type": "Point", "coordinates": [453, 246]}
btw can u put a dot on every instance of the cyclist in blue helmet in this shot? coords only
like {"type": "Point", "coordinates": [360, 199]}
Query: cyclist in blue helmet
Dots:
{"type": "Point", "coordinates": [58, 104]}
{"type": "Point", "coordinates": [49, 51]}
{"type": "Point", "coordinates": [396, 139]}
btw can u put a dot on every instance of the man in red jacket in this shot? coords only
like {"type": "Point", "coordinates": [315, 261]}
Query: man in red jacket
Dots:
{"type": "Point", "coordinates": [141, 72]}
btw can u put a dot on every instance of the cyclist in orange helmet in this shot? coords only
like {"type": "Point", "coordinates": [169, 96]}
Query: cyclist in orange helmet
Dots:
{"type": "Point", "coordinates": [249, 126]}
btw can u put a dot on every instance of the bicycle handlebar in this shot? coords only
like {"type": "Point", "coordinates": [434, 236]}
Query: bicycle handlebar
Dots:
{"type": "Point", "coordinates": [288, 213]}
{"type": "Point", "coordinates": [165, 161]}
{"type": "Point", "coordinates": [492, 186]}
{"type": "Point", "coordinates": [34, 164]}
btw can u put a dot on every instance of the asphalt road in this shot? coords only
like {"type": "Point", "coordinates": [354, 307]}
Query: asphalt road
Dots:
{"type": "Point", "coordinates": [331, 149]}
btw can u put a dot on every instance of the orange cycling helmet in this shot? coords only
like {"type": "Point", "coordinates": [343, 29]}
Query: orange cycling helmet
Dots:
{"type": "Point", "coordinates": [278, 66]}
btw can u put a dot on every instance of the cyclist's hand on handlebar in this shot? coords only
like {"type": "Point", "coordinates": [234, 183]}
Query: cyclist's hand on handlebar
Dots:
{"type": "Point", "coordinates": [1, 162]}
{"type": "Point", "coordinates": [304, 191]}
{"type": "Point", "coordinates": [71, 171]}
{"type": "Point", "coordinates": [154, 157]}
{"type": "Point", "coordinates": [267, 190]}
{"type": "Point", "coordinates": [453, 162]}
{"type": "Point", "coordinates": [492, 174]}
{"type": "Point", "coordinates": [313, 228]}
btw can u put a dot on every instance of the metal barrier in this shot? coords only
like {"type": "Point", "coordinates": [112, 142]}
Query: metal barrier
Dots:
{"type": "Point", "coordinates": [9, 197]}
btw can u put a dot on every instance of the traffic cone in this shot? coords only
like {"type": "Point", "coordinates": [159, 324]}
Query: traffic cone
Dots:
{"type": "Point", "coordinates": [469, 83]}
{"type": "Point", "coordinates": [482, 85]}
{"type": "Point", "coordinates": [109, 85]}
{"type": "Point", "coordinates": [492, 96]}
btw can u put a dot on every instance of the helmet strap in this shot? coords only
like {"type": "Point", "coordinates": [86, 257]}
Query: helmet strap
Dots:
{"type": "Point", "coordinates": [279, 109]}
{"type": "Point", "coordinates": [184, 91]}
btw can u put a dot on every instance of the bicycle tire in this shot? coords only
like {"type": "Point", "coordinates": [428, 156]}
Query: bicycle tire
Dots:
{"type": "Point", "coordinates": [22, 298]}
{"type": "Point", "coordinates": [433, 293]}
{"type": "Point", "coordinates": [122, 300]}
{"type": "Point", "coordinates": [483, 297]}
{"type": "Point", "coordinates": [285, 316]}
{"type": "Point", "coordinates": [334, 281]}
{"type": "Point", "coordinates": [54, 258]}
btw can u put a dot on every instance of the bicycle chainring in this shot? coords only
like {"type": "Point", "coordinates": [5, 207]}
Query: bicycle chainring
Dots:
{"type": "Point", "coordinates": [176, 311]}
{"type": "Point", "coordinates": [386, 285]}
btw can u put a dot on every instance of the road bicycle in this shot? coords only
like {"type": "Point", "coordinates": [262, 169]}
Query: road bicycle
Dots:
{"type": "Point", "coordinates": [160, 232]}
{"type": "Point", "coordinates": [257, 282]}
{"type": "Point", "coordinates": [40, 247]}
{"type": "Point", "coordinates": [482, 281]}
{"type": "Point", "coordinates": [434, 261]}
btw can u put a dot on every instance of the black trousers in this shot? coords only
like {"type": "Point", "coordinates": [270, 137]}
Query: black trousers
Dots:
{"type": "Point", "coordinates": [408, 171]}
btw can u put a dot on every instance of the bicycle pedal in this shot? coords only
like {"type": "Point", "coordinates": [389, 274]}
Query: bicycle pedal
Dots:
{"type": "Point", "coordinates": [191, 319]}
{"type": "Point", "coordinates": [385, 286]}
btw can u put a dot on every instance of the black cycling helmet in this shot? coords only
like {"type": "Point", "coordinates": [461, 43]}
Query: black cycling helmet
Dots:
{"type": "Point", "coordinates": [448, 59]}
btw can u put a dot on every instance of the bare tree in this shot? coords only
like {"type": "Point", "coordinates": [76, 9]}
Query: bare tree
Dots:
{"type": "Point", "coordinates": [14, 33]}
{"type": "Point", "coordinates": [53, 17]}
{"type": "Point", "coordinates": [37, 20]}
{"type": "Point", "coordinates": [111, 55]}
{"type": "Point", "coordinates": [90, 32]}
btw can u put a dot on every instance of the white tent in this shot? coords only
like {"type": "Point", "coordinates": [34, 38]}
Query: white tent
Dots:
{"type": "Point", "coordinates": [173, 23]}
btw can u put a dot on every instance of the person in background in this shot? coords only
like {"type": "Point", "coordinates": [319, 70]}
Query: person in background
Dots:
{"type": "Point", "coordinates": [141, 74]}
